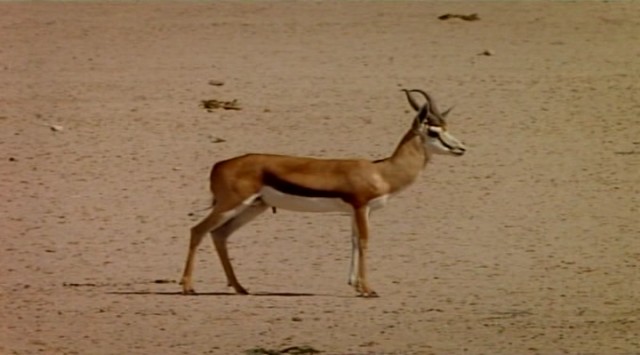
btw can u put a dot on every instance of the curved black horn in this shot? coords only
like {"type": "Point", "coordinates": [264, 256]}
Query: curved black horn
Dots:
{"type": "Point", "coordinates": [430, 100]}
{"type": "Point", "coordinates": [436, 118]}
{"type": "Point", "coordinates": [412, 100]}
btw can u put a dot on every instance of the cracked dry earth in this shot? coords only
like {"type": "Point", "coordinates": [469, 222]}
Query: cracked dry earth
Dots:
{"type": "Point", "coordinates": [529, 244]}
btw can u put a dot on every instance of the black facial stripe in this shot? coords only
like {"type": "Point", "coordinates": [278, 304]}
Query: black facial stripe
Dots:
{"type": "Point", "coordinates": [436, 134]}
{"type": "Point", "coordinates": [444, 143]}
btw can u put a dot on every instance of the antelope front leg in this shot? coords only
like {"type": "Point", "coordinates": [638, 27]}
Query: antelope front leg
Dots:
{"type": "Point", "coordinates": [353, 278]}
{"type": "Point", "coordinates": [361, 216]}
{"type": "Point", "coordinates": [355, 247]}
{"type": "Point", "coordinates": [220, 242]}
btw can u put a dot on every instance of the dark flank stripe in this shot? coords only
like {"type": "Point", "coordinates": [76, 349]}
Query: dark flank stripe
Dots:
{"type": "Point", "coordinates": [291, 188]}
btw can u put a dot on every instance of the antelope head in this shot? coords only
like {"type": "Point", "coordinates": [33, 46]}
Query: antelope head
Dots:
{"type": "Point", "coordinates": [431, 126]}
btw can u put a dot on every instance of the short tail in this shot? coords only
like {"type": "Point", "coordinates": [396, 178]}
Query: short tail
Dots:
{"type": "Point", "coordinates": [213, 203]}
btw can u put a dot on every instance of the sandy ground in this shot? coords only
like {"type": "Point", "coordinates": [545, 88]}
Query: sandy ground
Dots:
{"type": "Point", "coordinates": [527, 244]}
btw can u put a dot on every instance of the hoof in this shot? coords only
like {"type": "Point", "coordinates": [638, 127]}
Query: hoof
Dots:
{"type": "Point", "coordinates": [369, 294]}
{"type": "Point", "coordinates": [241, 291]}
{"type": "Point", "coordinates": [189, 292]}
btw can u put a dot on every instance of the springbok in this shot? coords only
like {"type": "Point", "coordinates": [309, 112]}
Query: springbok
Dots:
{"type": "Point", "coordinates": [245, 186]}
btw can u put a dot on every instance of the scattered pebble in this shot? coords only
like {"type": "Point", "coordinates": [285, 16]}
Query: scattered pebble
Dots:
{"type": "Point", "coordinates": [210, 105]}
{"type": "Point", "coordinates": [75, 284]}
{"type": "Point", "coordinates": [470, 17]}
{"type": "Point", "coordinates": [56, 128]}
{"type": "Point", "coordinates": [164, 281]}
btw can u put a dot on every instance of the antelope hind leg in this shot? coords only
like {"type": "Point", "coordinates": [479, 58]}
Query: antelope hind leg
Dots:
{"type": "Point", "coordinates": [220, 236]}
{"type": "Point", "coordinates": [214, 220]}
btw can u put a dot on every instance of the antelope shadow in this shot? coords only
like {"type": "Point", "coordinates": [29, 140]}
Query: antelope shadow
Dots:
{"type": "Point", "coordinates": [178, 293]}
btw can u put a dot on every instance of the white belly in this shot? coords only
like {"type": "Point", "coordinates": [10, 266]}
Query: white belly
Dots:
{"type": "Point", "coordinates": [275, 198]}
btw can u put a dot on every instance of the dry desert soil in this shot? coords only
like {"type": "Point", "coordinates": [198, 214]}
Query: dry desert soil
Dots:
{"type": "Point", "coordinates": [528, 244]}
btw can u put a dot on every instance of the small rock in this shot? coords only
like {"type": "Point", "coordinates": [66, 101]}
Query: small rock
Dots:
{"type": "Point", "coordinates": [470, 17]}
{"type": "Point", "coordinates": [487, 52]}
{"type": "Point", "coordinates": [210, 105]}
{"type": "Point", "coordinates": [56, 128]}
{"type": "Point", "coordinates": [216, 82]}
{"type": "Point", "coordinates": [164, 281]}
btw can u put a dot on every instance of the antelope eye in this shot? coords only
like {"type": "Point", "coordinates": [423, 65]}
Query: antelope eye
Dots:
{"type": "Point", "coordinates": [432, 134]}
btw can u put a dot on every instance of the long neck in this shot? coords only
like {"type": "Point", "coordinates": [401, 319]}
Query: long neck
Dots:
{"type": "Point", "coordinates": [406, 162]}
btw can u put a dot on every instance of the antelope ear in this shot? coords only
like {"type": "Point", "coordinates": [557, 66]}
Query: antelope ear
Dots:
{"type": "Point", "coordinates": [423, 113]}
{"type": "Point", "coordinates": [446, 112]}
